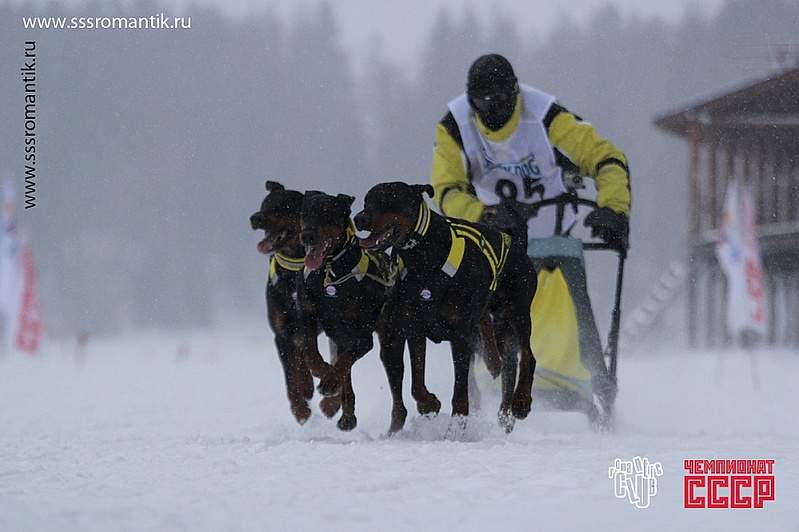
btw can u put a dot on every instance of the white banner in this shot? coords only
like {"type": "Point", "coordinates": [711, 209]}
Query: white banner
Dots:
{"type": "Point", "coordinates": [738, 252]}
{"type": "Point", "coordinates": [10, 274]}
{"type": "Point", "coordinates": [19, 304]}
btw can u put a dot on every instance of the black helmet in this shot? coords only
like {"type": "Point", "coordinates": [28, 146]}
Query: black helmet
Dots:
{"type": "Point", "coordinates": [490, 74]}
{"type": "Point", "coordinates": [492, 88]}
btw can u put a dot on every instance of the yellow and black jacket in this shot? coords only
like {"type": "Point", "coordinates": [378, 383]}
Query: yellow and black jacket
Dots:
{"type": "Point", "coordinates": [578, 147]}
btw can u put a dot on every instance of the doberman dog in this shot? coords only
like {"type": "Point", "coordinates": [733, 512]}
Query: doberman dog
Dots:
{"type": "Point", "coordinates": [279, 218]}
{"type": "Point", "coordinates": [342, 291]}
{"type": "Point", "coordinates": [453, 274]}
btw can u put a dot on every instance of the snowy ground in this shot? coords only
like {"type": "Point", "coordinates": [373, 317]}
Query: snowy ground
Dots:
{"type": "Point", "coordinates": [138, 440]}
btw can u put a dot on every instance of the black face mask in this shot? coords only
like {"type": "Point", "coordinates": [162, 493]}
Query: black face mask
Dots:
{"type": "Point", "coordinates": [494, 109]}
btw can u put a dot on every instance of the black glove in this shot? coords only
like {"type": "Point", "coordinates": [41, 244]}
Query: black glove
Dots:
{"type": "Point", "coordinates": [504, 218]}
{"type": "Point", "coordinates": [610, 226]}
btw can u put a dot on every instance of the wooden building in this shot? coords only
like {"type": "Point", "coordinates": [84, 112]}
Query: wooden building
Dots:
{"type": "Point", "coordinates": [750, 133]}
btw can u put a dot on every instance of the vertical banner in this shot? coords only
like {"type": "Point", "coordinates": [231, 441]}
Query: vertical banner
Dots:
{"type": "Point", "coordinates": [10, 275]}
{"type": "Point", "coordinates": [738, 252]}
{"type": "Point", "coordinates": [19, 303]}
{"type": "Point", "coordinates": [29, 320]}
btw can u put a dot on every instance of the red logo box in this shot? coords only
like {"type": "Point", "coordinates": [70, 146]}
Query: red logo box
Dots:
{"type": "Point", "coordinates": [739, 483]}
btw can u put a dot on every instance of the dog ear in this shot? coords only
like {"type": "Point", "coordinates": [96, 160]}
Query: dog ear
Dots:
{"type": "Point", "coordinates": [273, 185]}
{"type": "Point", "coordinates": [428, 189]}
{"type": "Point", "coordinates": [348, 200]}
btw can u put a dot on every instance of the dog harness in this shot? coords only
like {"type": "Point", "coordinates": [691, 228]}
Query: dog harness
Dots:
{"type": "Point", "coordinates": [374, 266]}
{"type": "Point", "coordinates": [283, 262]}
{"type": "Point", "coordinates": [459, 233]}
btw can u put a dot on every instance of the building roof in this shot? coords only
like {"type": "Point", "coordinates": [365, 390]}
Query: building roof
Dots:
{"type": "Point", "coordinates": [766, 102]}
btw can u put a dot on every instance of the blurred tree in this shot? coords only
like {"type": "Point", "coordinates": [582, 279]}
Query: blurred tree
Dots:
{"type": "Point", "coordinates": [154, 145]}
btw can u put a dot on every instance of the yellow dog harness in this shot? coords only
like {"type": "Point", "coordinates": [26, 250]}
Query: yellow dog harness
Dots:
{"type": "Point", "coordinates": [285, 263]}
{"type": "Point", "coordinates": [460, 232]}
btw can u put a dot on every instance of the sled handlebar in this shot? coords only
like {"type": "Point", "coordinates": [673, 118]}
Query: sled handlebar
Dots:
{"type": "Point", "coordinates": [561, 202]}
{"type": "Point", "coordinates": [530, 210]}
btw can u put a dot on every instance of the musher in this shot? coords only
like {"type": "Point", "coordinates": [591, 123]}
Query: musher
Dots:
{"type": "Point", "coordinates": [503, 142]}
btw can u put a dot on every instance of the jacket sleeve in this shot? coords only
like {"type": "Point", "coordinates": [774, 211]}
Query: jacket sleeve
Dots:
{"type": "Point", "coordinates": [454, 193]}
{"type": "Point", "coordinates": [595, 155]}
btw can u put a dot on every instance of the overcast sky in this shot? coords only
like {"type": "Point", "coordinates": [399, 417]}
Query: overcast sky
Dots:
{"type": "Point", "coordinates": [402, 26]}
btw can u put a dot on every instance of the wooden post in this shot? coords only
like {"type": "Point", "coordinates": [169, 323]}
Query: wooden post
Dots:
{"type": "Point", "coordinates": [771, 288]}
{"type": "Point", "coordinates": [742, 160]}
{"type": "Point", "coordinates": [795, 313]}
{"type": "Point", "coordinates": [726, 337]}
{"type": "Point", "coordinates": [783, 164]}
{"type": "Point", "coordinates": [711, 302]}
{"type": "Point", "coordinates": [693, 234]}
{"type": "Point", "coordinates": [729, 173]}
{"type": "Point", "coordinates": [771, 183]}
{"type": "Point", "coordinates": [793, 177]}
{"type": "Point", "coordinates": [712, 181]}
{"type": "Point", "coordinates": [760, 200]}
{"type": "Point", "coordinates": [778, 185]}
{"type": "Point", "coordinates": [793, 185]}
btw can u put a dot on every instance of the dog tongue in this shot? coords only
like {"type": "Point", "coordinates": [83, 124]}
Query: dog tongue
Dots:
{"type": "Point", "coordinates": [264, 246]}
{"type": "Point", "coordinates": [314, 257]}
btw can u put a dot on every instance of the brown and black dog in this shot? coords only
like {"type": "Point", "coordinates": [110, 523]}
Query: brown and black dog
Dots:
{"type": "Point", "coordinates": [279, 218]}
{"type": "Point", "coordinates": [454, 274]}
{"type": "Point", "coordinates": [341, 292]}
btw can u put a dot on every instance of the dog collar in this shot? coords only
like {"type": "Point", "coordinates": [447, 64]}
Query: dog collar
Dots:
{"type": "Point", "coordinates": [346, 247]}
{"type": "Point", "coordinates": [421, 227]}
{"type": "Point", "coordinates": [289, 263]}
{"type": "Point", "coordinates": [365, 265]}
{"type": "Point", "coordinates": [285, 263]}
{"type": "Point", "coordinates": [346, 260]}
{"type": "Point", "coordinates": [352, 261]}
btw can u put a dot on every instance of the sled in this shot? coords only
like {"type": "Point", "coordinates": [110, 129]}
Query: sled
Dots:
{"type": "Point", "coordinates": [574, 370]}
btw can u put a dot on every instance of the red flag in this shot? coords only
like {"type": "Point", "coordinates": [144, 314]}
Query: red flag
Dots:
{"type": "Point", "coordinates": [29, 330]}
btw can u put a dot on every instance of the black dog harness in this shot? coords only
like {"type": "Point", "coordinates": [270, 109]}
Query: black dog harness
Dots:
{"type": "Point", "coordinates": [459, 233]}
{"type": "Point", "coordinates": [353, 262]}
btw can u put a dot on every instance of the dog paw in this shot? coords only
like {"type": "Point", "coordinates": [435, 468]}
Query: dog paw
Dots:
{"type": "Point", "coordinates": [429, 405]}
{"type": "Point", "coordinates": [398, 415]}
{"type": "Point", "coordinates": [301, 413]}
{"type": "Point", "coordinates": [522, 404]}
{"type": "Point", "coordinates": [347, 422]}
{"type": "Point", "coordinates": [456, 428]}
{"type": "Point", "coordinates": [329, 385]}
{"type": "Point", "coordinates": [506, 420]}
{"type": "Point", "coordinates": [330, 405]}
